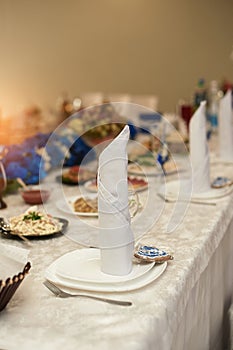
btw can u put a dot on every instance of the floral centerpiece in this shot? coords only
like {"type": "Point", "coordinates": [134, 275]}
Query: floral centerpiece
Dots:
{"type": "Point", "coordinates": [32, 159]}
{"type": "Point", "coordinates": [25, 161]}
{"type": "Point", "coordinates": [36, 156]}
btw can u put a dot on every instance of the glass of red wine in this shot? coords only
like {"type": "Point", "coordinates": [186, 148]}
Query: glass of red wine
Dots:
{"type": "Point", "coordinates": [186, 111]}
{"type": "Point", "coordinates": [3, 184]}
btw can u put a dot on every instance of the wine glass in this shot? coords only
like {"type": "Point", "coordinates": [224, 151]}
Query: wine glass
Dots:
{"type": "Point", "coordinates": [3, 184]}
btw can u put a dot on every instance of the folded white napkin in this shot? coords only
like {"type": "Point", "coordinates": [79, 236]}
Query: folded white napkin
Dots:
{"type": "Point", "coordinates": [12, 260]}
{"type": "Point", "coordinates": [116, 236]}
{"type": "Point", "coordinates": [225, 128]}
{"type": "Point", "coordinates": [199, 152]}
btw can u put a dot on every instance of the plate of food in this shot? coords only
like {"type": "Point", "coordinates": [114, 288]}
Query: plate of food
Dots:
{"type": "Point", "coordinates": [136, 183]}
{"type": "Point", "coordinates": [88, 205]}
{"type": "Point", "coordinates": [79, 205]}
{"type": "Point", "coordinates": [151, 169]}
{"type": "Point", "coordinates": [33, 224]}
{"type": "Point", "coordinates": [146, 165]}
{"type": "Point", "coordinates": [76, 175]}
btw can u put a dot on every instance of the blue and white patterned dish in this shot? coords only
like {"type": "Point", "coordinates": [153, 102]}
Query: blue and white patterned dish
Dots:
{"type": "Point", "coordinates": [221, 181]}
{"type": "Point", "coordinates": [149, 253]}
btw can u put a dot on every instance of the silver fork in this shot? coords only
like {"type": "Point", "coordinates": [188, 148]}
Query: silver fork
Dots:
{"type": "Point", "coordinates": [61, 294]}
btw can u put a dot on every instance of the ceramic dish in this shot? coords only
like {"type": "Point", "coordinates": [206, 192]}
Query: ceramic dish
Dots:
{"type": "Point", "coordinates": [35, 196]}
{"type": "Point", "coordinates": [174, 190]}
{"type": "Point", "coordinates": [67, 206]}
{"type": "Point", "coordinates": [11, 234]}
{"type": "Point", "coordinates": [136, 183]}
{"type": "Point", "coordinates": [128, 285]}
{"type": "Point", "coordinates": [151, 170]}
{"type": "Point", "coordinates": [75, 176]}
{"type": "Point", "coordinates": [221, 162]}
{"type": "Point", "coordinates": [83, 265]}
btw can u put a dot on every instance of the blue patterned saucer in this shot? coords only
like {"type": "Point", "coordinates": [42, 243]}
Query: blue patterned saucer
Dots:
{"type": "Point", "coordinates": [149, 253]}
{"type": "Point", "coordinates": [221, 181]}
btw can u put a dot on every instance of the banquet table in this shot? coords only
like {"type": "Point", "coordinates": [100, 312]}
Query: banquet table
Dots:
{"type": "Point", "coordinates": [185, 308]}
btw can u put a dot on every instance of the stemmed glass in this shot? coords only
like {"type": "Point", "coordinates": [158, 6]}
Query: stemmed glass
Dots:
{"type": "Point", "coordinates": [3, 184]}
{"type": "Point", "coordinates": [157, 132]}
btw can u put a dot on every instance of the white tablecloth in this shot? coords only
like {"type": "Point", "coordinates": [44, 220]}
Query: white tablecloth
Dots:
{"type": "Point", "coordinates": [185, 308]}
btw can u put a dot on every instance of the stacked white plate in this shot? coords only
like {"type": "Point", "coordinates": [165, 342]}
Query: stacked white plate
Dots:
{"type": "Point", "coordinates": [152, 170]}
{"type": "Point", "coordinates": [177, 190]}
{"type": "Point", "coordinates": [81, 270]}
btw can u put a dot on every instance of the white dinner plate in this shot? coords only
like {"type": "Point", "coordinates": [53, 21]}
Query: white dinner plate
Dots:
{"type": "Point", "coordinates": [67, 205]}
{"type": "Point", "coordinates": [221, 162]}
{"type": "Point", "coordinates": [136, 169]}
{"type": "Point", "coordinates": [128, 285]}
{"type": "Point", "coordinates": [84, 265]}
{"type": "Point", "coordinates": [91, 185]}
{"type": "Point", "coordinates": [147, 170]}
{"type": "Point", "coordinates": [174, 190]}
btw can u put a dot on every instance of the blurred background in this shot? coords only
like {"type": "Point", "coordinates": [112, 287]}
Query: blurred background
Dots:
{"type": "Point", "coordinates": [55, 49]}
